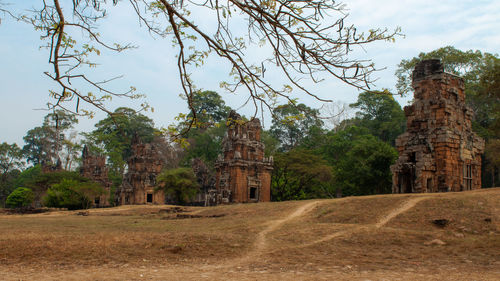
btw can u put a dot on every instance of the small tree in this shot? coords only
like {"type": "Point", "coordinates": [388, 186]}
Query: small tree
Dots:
{"type": "Point", "coordinates": [21, 197]}
{"type": "Point", "coordinates": [72, 194]}
{"type": "Point", "coordinates": [180, 183]}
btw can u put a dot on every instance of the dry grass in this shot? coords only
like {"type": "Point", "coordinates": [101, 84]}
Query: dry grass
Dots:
{"type": "Point", "coordinates": [336, 238]}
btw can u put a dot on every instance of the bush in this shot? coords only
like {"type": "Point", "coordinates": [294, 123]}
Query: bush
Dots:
{"type": "Point", "coordinates": [180, 184]}
{"type": "Point", "coordinates": [72, 194]}
{"type": "Point", "coordinates": [21, 197]}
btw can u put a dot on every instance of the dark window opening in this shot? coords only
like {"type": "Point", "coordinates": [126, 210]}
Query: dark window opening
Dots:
{"type": "Point", "coordinates": [413, 157]}
{"type": "Point", "coordinates": [149, 198]}
{"type": "Point", "coordinates": [253, 193]}
{"type": "Point", "coordinates": [127, 200]}
{"type": "Point", "coordinates": [97, 200]}
{"type": "Point", "coordinates": [429, 185]}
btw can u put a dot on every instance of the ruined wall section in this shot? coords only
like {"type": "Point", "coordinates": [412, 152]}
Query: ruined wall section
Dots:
{"type": "Point", "coordinates": [94, 168]}
{"type": "Point", "coordinates": [243, 174]}
{"type": "Point", "coordinates": [138, 186]}
{"type": "Point", "coordinates": [439, 151]}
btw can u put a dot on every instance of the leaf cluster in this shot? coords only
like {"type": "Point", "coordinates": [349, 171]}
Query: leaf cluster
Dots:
{"type": "Point", "coordinates": [179, 184]}
{"type": "Point", "coordinates": [72, 194]}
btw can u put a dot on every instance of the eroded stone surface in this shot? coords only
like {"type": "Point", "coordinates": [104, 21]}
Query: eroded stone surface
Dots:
{"type": "Point", "coordinates": [438, 152]}
{"type": "Point", "coordinates": [243, 174]}
{"type": "Point", "coordinates": [94, 168]}
{"type": "Point", "coordinates": [138, 186]}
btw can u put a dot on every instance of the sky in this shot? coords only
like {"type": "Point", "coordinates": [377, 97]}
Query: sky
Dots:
{"type": "Point", "coordinates": [151, 68]}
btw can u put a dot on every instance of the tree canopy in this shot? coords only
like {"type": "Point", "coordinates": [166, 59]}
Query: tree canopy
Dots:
{"type": "Point", "coordinates": [113, 136]}
{"type": "Point", "coordinates": [291, 123]}
{"type": "Point", "coordinates": [381, 114]}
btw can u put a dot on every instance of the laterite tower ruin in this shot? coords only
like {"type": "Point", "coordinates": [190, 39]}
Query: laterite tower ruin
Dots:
{"type": "Point", "coordinates": [94, 168]}
{"type": "Point", "coordinates": [243, 173]}
{"type": "Point", "coordinates": [438, 152]}
{"type": "Point", "coordinates": [139, 183]}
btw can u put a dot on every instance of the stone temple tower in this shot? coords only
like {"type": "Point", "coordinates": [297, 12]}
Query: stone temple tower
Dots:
{"type": "Point", "coordinates": [138, 186]}
{"type": "Point", "coordinates": [242, 171]}
{"type": "Point", "coordinates": [438, 152]}
{"type": "Point", "coordinates": [94, 168]}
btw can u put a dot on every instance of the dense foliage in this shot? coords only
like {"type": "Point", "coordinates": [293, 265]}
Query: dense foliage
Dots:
{"type": "Point", "coordinates": [72, 194]}
{"type": "Point", "coordinates": [179, 184]}
{"type": "Point", "coordinates": [21, 197]}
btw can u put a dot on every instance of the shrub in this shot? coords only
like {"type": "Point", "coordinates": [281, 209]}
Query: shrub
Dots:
{"type": "Point", "coordinates": [180, 184]}
{"type": "Point", "coordinates": [72, 194]}
{"type": "Point", "coordinates": [21, 197]}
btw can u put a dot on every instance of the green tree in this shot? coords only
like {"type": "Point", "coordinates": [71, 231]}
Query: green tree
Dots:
{"type": "Point", "coordinates": [11, 161]}
{"type": "Point", "coordinates": [365, 168]}
{"type": "Point", "coordinates": [205, 144]}
{"type": "Point", "coordinates": [37, 145]}
{"type": "Point", "coordinates": [28, 176]}
{"type": "Point", "coordinates": [39, 182]}
{"type": "Point", "coordinates": [361, 162]}
{"type": "Point", "coordinates": [271, 144]}
{"type": "Point", "coordinates": [113, 136]}
{"type": "Point", "coordinates": [205, 137]}
{"type": "Point", "coordinates": [72, 194]}
{"type": "Point", "coordinates": [292, 123]}
{"type": "Point", "coordinates": [209, 108]}
{"type": "Point", "coordinates": [180, 184]}
{"type": "Point", "coordinates": [21, 197]}
{"type": "Point", "coordinates": [300, 174]}
{"type": "Point", "coordinates": [380, 114]}
{"type": "Point", "coordinates": [489, 91]}
{"type": "Point", "coordinates": [44, 144]}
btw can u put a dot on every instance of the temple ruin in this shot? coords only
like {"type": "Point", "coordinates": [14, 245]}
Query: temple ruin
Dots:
{"type": "Point", "coordinates": [94, 168]}
{"type": "Point", "coordinates": [139, 183]}
{"type": "Point", "coordinates": [438, 152]}
{"type": "Point", "coordinates": [243, 174]}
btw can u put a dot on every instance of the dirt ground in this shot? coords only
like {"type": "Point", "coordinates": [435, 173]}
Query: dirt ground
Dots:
{"type": "Point", "coordinates": [443, 236]}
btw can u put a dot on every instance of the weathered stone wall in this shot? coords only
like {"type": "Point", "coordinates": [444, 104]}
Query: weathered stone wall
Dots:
{"type": "Point", "coordinates": [94, 168]}
{"type": "Point", "coordinates": [438, 152]}
{"type": "Point", "coordinates": [139, 182]}
{"type": "Point", "coordinates": [242, 171]}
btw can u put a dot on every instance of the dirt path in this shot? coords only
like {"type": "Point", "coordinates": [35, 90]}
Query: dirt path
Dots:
{"type": "Point", "coordinates": [405, 207]}
{"type": "Point", "coordinates": [381, 222]}
{"type": "Point", "coordinates": [261, 242]}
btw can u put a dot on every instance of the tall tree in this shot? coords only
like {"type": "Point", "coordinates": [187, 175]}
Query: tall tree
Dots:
{"type": "Point", "coordinates": [292, 123]}
{"type": "Point", "coordinates": [361, 162]}
{"type": "Point", "coordinates": [209, 107]}
{"type": "Point", "coordinates": [45, 143]}
{"type": "Point", "coordinates": [300, 174]}
{"type": "Point", "coordinates": [489, 91]}
{"type": "Point", "coordinates": [113, 136]}
{"type": "Point", "coordinates": [11, 161]}
{"type": "Point", "coordinates": [180, 184]}
{"type": "Point", "coordinates": [301, 40]}
{"type": "Point", "coordinates": [381, 114]}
